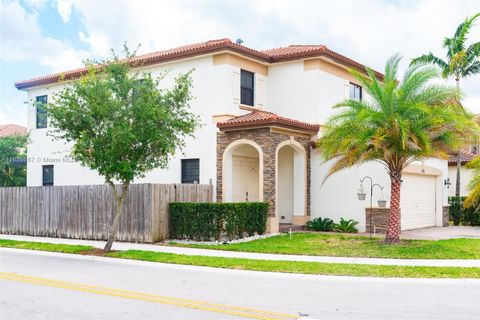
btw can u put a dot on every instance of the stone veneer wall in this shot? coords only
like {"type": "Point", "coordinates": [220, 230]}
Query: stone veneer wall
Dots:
{"type": "Point", "coordinates": [379, 220]}
{"type": "Point", "coordinates": [445, 216]}
{"type": "Point", "coordinates": [268, 141]}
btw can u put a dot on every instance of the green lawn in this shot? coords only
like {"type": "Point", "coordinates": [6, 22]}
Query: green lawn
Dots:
{"type": "Point", "coordinates": [344, 245]}
{"type": "Point", "coordinates": [42, 246]}
{"type": "Point", "coordinates": [260, 265]}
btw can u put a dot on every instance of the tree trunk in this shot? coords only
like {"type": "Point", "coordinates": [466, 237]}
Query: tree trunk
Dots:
{"type": "Point", "coordinates": [457, 182]}
{"type": "Point", "coordinates": [459, 162]}
{"type": "Point", "coordinates": [393, 231]}
{"type": "Point", "coordinates": [120, 199]}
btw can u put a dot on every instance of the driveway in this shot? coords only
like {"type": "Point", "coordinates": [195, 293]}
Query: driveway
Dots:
{"type": "Point", "coordinates": [439, 233]}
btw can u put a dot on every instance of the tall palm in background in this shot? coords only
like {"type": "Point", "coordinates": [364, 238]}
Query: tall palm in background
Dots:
{"type": "Point", "coordinates": [461, 62]}
{"type": "Point", "coordinates": [403, 121]}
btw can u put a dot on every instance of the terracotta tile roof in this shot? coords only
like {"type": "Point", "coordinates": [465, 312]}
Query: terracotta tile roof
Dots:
{"type": "Point", "coordinates": [464, 156]}
{"type": "Point", "coordinates": [268, 56]}
{"type": "Point", "coordinates": [11, 129]}
{"type": "Point", "coordinates": [265, 118]}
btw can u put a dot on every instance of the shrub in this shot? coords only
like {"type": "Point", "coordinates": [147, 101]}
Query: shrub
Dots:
{"type": "Point", "coordinates": [347, 226]}
{"type": "Point", "coordinates": [456, 209]}
{"type": "Point", "coordinates": [207, 221]}
{"type": "Point", "coordinates": [471, 216]}
{"type": "Point", "coordinates": [319, 224]}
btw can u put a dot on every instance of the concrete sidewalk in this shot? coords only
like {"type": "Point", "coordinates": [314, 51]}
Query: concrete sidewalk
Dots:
{"type": "Point", "coordinates": [251, 255]}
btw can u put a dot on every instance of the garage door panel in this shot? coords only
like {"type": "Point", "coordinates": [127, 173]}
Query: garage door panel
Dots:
{"type": "Point", "coordinates": [417, 201]}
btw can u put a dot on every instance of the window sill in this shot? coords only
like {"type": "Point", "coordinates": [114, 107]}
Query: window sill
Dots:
{"type": "Point", "coordinates": [249, 108]}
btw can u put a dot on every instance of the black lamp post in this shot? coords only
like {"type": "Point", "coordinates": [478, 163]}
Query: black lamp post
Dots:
{"type": "Point", "coordinates": [361, 196]}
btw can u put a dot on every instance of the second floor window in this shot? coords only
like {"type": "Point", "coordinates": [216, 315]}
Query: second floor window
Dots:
{"type": "Point", "coordinates": [47, 175]}
{"type": "Point", "coordinates": [355, 92]}
{"type": "Point", "coordinates": [246, 87]}
{"type": "Point", "coordinates": [41, 112]}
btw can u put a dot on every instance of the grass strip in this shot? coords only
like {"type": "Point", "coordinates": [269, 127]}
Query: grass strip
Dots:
{"type": "Point", "coordinates": [344, 245]}
{"type": "Point", "coordinates": [317, 268]}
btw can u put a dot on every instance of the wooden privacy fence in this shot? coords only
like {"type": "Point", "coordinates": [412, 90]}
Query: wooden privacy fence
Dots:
{"type": "Point", "coordinates": [86, 212]}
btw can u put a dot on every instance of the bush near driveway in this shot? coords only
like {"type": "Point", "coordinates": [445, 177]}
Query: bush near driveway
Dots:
{"type": "Point", "coordinates": [207, 221]}
{"type": "Point", "coordinates": [459, 214]}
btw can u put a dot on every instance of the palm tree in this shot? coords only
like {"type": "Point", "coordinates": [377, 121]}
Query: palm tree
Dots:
{"type": "Point", "coordinates": [473, 198]}
{"type": "Point", "coordinates": [462, 61]}
{"type": "Point", "coordinates": [13, 176]}
{"type": "Point", "coordinates": [401, 122]}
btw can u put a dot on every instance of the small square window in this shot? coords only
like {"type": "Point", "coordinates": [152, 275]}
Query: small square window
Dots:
{"type": "Point", "coordinates": [247, 87]}
{"type": "Point", "coordinates": [355, 92]}
{"type": "Point", "coordinates": [47, 175]}
{"type": "Point", "coordinates": [190, 170]}
{"type": "Point", "coordinates": [41, 112]}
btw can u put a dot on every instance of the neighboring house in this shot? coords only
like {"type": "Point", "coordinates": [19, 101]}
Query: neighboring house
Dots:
{"type": "Point", "coordinates": [12, 129]}
{"type": "Point", "coordinates": [261, 110]}
{"type": "Point", "coordinates": [466, 155]}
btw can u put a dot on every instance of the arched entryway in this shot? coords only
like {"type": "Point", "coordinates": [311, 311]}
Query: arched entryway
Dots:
{"type": "Point", "coordinates": [243, 172]}
{"type": "Point", "coordinates": [291, 182]}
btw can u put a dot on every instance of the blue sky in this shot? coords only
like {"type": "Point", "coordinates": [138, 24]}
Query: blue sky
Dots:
{"type": "Point", "coordinates": [41, 37]}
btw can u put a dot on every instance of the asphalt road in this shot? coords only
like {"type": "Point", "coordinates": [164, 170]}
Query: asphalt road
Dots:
{"type": "Point", "coordinates": [36, 285]}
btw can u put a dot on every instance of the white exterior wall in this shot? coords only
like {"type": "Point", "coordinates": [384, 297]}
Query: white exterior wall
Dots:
{"type": "Point", "coordinates": [288, 90]}
{"type": "Point", "coordinates": [309, 96]}
{"type": "Point", "coordinates": [466, 176]}
{"type": "Point", "coordinates": [213, 94]}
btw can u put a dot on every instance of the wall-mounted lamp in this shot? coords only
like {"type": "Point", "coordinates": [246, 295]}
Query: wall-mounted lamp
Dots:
{"type": "Point", "coordinates": [447, 183]}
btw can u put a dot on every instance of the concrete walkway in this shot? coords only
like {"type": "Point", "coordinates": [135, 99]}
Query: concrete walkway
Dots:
{"type": "Point", "coordinates": [255, 256]}
{"type": "Point", "coordinates": [440, 233]}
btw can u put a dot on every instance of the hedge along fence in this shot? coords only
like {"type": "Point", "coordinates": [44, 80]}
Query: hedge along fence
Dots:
{"type": "Point", "coordinates": [207, 221]}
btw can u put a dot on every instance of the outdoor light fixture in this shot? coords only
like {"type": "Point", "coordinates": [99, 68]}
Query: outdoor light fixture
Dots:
{"type": "Point", "coordinates": [447, 183]}
{"type": "Point", "coordinates": [362, 195]}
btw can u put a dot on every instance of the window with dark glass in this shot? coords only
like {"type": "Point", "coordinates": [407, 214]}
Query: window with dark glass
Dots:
{"type": "Point", "coordinates": [47, 175]}
{"type": "Point", "coordinates": [190, 170]}
{"type": "Point", "coordinates": [41, 111]}
{"type": "Point", "coordinates": [246, 87]}
{"type": "Point", "coordinates": [355, 92]}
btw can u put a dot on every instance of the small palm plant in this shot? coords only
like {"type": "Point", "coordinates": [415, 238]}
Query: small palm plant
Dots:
{"type": "Point", "coordinates": [347, 226]}
{"type": "Point", "coordinates": [401, 122]}
{"type": "Point", "coordinates": [319, 224]}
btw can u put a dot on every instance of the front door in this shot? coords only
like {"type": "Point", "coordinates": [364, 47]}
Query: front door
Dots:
{"type": "Point", "coordinates": [245, 179]}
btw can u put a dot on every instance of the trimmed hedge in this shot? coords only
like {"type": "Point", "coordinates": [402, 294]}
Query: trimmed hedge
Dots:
{"type": "Point", "coordinates": [207, 221]}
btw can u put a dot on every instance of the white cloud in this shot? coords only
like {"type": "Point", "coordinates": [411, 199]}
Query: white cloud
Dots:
{"type": "Point", "coordinates": [21, 39]}
{"type": "Point", "coordinates": [64, 8]}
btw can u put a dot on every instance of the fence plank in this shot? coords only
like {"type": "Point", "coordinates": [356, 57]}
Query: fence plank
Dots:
{"type": "Point", "coordinates": [86, 212]}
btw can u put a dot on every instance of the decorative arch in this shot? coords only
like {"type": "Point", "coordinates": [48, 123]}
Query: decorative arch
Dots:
{"type": "Point", "coordinates": [297, 194]}
{"type": "Point", "coordinates": [227, 172]}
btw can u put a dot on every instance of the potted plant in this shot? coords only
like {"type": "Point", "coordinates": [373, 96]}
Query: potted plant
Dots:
{"type": "Point", "coordinates": [361, 194]}
{"type": "Point", "coordinates": [382, 203]}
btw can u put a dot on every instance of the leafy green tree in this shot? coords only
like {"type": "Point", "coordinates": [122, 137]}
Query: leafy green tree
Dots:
{"type": "Point", "coordinates": [400, 122]}
{"type": "Point", "coordinates": [13, 161]}
{"type": "Point", "coordinates": [122, 124]}
{"type": "Point", "coordinates": [462, 61]}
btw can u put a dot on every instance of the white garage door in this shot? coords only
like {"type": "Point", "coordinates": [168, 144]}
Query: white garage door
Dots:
{"type": "Point", "coordinates": [417, 201]}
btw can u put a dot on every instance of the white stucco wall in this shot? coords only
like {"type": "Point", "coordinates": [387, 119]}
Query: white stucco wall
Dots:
{"type": "Point", "coordinates": [337, 196]}
{"type": "Point", "coordinates": [213, 94]}
{"type": "Point", "coordinates": [465, 176]}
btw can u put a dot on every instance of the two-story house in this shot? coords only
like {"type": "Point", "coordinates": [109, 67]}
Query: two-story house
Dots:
{"type": "Point", "coordinates": [261, 110]}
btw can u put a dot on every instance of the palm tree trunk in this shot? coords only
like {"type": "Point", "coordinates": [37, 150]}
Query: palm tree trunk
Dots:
{"type": "Point", "coordinates": [120, 199]}
{"type": "Point", "coordinates": [393, 231]}
{"type": "Point", "coordinates": [457, 182]}
{"type": "Point", "coordinates": [459, 162]}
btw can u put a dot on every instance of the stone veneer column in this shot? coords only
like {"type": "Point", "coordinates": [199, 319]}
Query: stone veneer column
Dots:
{"type": "Point", "coordinates": [445, 216]}
{"type": "Point", "coordinates": [379, 220]}
{"type": "Point", "coordinates": [268, 141]}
